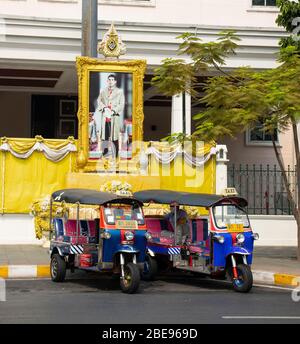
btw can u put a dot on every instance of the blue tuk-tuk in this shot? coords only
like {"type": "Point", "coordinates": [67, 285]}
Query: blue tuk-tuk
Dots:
{"type": "Point", "coordinates": [219, 244]}
{"type": "Point", "coordinates": [113, 240]}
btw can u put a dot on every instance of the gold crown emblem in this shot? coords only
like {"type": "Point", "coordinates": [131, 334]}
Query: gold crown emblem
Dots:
{"type": "Point", "coordinates": [111, 44]}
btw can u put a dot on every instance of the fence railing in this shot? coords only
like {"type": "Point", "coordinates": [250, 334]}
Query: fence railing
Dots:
{"type": "Point", "coordinates": [263, 187]}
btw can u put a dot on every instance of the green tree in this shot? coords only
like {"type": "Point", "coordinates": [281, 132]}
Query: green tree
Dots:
{"type": "Point", "coordinates": [289, 11]}
{"type": "Point", "coordinates": [239, 100]}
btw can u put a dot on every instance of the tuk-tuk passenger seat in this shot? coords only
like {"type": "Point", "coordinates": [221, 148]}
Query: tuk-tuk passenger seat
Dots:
{"type": "Point", "coordinates": [157, 227]}
{"type": "Point", "coordinates": [199, 230]}
{"type": "Point", "coordinates": [68, 229]}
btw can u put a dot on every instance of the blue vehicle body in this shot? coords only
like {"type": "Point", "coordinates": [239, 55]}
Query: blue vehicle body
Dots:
{"type": "Point", "coordinates": [222, 251]}
{"type": "Point", "coordinates": [113, 246]}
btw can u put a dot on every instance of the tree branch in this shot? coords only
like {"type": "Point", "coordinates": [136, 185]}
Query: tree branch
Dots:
{"type": "Point", "coordinates": [285, 179]}
{"type": "Point", "coordinates": [297, 153]}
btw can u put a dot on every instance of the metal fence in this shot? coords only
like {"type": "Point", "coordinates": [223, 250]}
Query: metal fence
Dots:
{"type": "Point", "coordinates": [263, 187]}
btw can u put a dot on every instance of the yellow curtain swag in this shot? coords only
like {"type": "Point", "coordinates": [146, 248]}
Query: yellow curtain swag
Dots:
{"type": "Point", "coordinates": [53, 150]}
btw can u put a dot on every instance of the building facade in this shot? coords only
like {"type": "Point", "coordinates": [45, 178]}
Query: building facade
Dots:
{"type": "Point", "coordinates": [40, 40]}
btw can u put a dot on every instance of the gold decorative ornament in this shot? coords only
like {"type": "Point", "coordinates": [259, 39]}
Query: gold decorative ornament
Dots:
{"type": "Point", "coordinates": [111, 44]}
{"type": "Point", "coordinates": [40, 209]}
{"type": "Point", "coordinates": [117, 187]}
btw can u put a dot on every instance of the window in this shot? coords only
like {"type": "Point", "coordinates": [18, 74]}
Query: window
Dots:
{"type": "Point", "coordinates": [257, 136]}
{"type": "Point", "coordinates": [264, 3]}
{"type": "Point", "coordinates": [226, 215]}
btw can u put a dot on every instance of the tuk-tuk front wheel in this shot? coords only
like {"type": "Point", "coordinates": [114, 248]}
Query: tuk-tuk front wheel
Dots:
{"type": "Point", "coordinates": [131, 281]}
{"type": "Point", "coordinates": [244, 282]}
{"type": "Point", "coordinates": [57, 268]}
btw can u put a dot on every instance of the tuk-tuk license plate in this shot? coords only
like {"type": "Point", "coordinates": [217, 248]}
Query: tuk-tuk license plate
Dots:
{"type": "Point", "coordinates": [127, 224]}
{"type": "Point", "coordinates": [235, 227]}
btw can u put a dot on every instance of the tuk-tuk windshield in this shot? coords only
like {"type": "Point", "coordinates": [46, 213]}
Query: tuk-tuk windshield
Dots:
{"type": "Point", "coordinates": [115, 213]}
{"type": "Point", "coordinates": [228, 214]}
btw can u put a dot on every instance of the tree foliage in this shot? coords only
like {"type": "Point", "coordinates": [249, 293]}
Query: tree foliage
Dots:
{"type": "Point", "coordinates": [289, 10]}
{"type": "Point", "coordinates": [239, 100]}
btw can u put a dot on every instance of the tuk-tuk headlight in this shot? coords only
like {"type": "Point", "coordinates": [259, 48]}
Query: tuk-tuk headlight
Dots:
{"type": "Point", "coordinates": [148, 236]}
{"type": "Point", "coordinates": [240, 238]}
{"type": "Point", "coordinates": [105, 235]}
{"type": "Point", "coordinates": [255, 236]}
{"type": "Point", "coordinates": [129, 236]}
{"type": "Point", "coordinates": [220, 239]}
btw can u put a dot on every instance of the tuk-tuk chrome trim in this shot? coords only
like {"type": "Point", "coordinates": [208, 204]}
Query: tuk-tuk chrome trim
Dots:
{"type": "Point", "coordinates": [126, 249]}
{"type": "Point", "coordinates": [239, 250]}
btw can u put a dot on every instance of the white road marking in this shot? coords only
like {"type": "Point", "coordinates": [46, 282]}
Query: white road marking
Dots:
{"type": "Point", "coordinates": [258, 317]}
{"type": "Point", "coordinates": [272, 287]}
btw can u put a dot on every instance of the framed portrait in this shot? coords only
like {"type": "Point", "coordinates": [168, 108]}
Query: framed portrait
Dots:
{"type": "Point", "coordinates": [67, 127]}
{"type": "Point", "coordinates": [110, 110]}
{"type": "Point", "coordinates": [67, 108]}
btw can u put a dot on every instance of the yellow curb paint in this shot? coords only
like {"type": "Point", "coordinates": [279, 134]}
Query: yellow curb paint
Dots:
{"type": "Point", "coordinates": [286, 279]}
{"type": "Point", "coordinates": [43, 271]}
{"type": "Point", "coordinates": [3, 271]}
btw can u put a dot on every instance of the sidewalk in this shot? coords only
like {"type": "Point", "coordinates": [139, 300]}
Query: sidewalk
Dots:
{"type": "Point", "coordinates": [274, 265]}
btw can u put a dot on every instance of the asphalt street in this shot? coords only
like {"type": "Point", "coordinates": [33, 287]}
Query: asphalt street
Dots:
{"type": "Point", "coordinates": [172, 299]}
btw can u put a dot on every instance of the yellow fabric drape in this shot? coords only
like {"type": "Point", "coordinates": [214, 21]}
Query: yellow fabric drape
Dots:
{"type": "Point", "coordinates": [21, 146]}
{"type": "Point", "coordinates": [182, 177]}
{"type": "Point", "coordinates": [25, 180]}
{"type": "Point", "coordinates": [22, 181]}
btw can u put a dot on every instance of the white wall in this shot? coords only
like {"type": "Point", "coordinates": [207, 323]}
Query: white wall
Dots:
{"type": "Point", "coordinates": [17, 229]}
{"type": "Point", "coordinates": [274, 230]}
{"type": "Point", "coordinates": [204, 12]}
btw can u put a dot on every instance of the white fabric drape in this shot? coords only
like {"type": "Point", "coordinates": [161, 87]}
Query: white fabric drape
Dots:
{"type": "Point", "coordinates": [50, 154]}
{"type": "Point", "coordinates": [168, 157]}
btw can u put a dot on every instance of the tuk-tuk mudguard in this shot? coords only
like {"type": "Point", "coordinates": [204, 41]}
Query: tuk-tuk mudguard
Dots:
{"type": "Point", "coordinates": [127, 249]}
{"type": "Point", "coordinates": [222, 251]}
{"type": "Point", "coordinates": [165, 250]}
{"type": "Point", "coordinates": [62, 249]}
{"type": "Point", "coordinates": [113, 245]}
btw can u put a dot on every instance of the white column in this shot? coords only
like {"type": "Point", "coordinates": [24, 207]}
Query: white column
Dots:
{"type": "Point", "coordinates": [188, 113]}
{"type": "Point", "coordinates": [176, 119]}
{"type": "Point", "coordinates": [221, 168]}
{"type": "Point", "coordinates": [177, 114]}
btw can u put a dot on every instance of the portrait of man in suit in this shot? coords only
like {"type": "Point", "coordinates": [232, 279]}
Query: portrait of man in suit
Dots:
{"type": "Point", "coordinates": [110, 108]}
{"type": "Point", "coordinates": [108, 114]}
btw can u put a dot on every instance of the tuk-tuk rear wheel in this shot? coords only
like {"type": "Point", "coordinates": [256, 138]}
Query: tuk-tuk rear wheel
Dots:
{"type": "Point", "coordinates": [245, 279]}
{"type": "Point", "coordinates": [131, 281]}
{"type": "Point", "coordinates": [150, 269]}
{"type": "Point", "coordinates": [57, 268]}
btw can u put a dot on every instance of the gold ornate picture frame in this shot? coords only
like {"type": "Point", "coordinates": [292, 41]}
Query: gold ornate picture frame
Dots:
{"type": "Point", "coordinates": [92, 74]}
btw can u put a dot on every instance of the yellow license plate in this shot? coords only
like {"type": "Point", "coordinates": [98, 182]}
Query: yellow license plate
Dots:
{"type": "Point", "coordinates": [127, 224]}
{"type": "Point", "coordinates": [235, 227]}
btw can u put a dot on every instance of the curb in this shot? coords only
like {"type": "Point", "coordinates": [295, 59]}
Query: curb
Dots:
{"type": "Point", "coordinates": [276, 278]}
{"type": "Point", "coordinates": [24, 271]}
{"type": "Point", "coordinates": [43, 271]}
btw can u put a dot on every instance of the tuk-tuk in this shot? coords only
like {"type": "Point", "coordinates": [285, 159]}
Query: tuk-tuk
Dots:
{"type": "Point", "coordinates": [113, 241]}
{"type": "Point", "coordinates": [219, 244]}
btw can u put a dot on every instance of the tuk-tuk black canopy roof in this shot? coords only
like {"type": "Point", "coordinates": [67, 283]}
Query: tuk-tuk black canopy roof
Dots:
{"type": "Point", "coordinates": [185, 198]}
{"type": "Point", "coordinates": [92, 197]}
